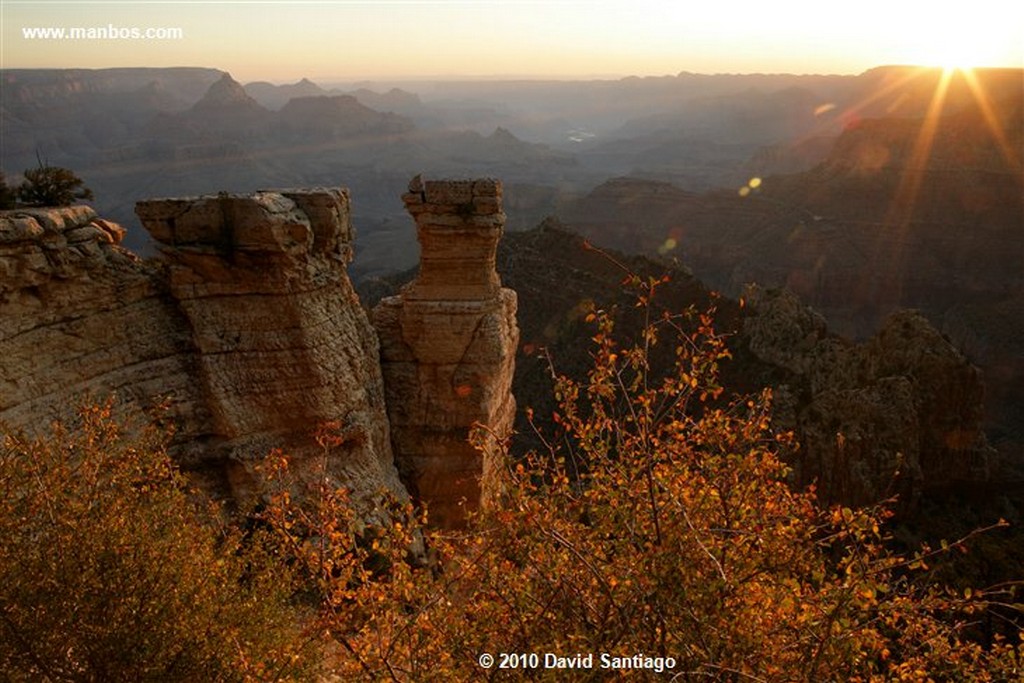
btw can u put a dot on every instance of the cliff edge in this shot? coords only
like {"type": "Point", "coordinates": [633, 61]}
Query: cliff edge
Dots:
{"type": "Point", "coordinates": [246, 328]}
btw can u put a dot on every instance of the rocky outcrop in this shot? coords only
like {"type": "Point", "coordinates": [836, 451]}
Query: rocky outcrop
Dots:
{"type": "Point", "coordinates": [248, 332]}
{"type": "Point", "coordinates": [282, 344]}
{"type": "Point", "coordinates": [81, 316]}
{"type": "Point", "coordinates": [448, 345]}
{"type": "Point", "coordinates": [225, 95]}
{"type": "Point", "coordinates": [894, 415]}
{"type": "Point", "coordinates": [247, 328]}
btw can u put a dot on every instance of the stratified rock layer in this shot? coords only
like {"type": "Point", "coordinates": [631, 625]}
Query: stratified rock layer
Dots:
{"type": "Point", "coordinates": [448, 345]}
{"type": "Point", "coordinates": [248, 327]}
{"type": "Point", "coordinates": [80, 316]}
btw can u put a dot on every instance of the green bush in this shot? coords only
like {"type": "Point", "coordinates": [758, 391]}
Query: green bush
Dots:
{"type": "Point", "coordinates": [52, 186]}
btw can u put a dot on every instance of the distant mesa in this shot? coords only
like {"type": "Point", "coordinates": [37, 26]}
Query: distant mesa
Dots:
{"type": "Point", "coordinates": [394, 100]}
{"type": "Point", "coordinates": [337, 116]}
{"type": "Point", "coordinates": [504, 136]}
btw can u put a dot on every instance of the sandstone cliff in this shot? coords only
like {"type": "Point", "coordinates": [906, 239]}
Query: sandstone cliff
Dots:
{"type": "Point", "coordinates": [448, 344]}
{"type": "Point", "coordinates": [80, 315]}
{"type": "Point", "coordinates": [247, 327]}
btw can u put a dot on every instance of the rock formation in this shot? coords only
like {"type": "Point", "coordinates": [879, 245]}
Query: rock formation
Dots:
{"type": "Point", "coordinates": [226, 94]}
{"type": "Point", "coordinates": [247, 328]}
{"type": "Point", "coordinates": [897, 414]}
{"type": "Point", "coordinates": [448, 345]}
{"type": "Point", "coordinates": [341, 117]}
{"type": "Point", "coordinates": [81, 316]}
{"type": "Point", "coordinates": [276, 96]}
{"type": "Point", "coordinates": [248, 332]}
{"type": "Point", "coordinates": [875, 228]}
{"type": "Point", "coordinates": [903, 400]}
{"type": "Point", "coordinates": [282, 342]}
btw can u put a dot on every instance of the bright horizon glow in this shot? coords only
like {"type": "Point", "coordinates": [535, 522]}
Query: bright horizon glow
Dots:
{"type": "Point", "coordinates": [345, 40]}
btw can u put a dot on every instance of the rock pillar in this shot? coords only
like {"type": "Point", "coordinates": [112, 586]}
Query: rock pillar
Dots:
{"type": "Point", "coordinates": [448, 345]}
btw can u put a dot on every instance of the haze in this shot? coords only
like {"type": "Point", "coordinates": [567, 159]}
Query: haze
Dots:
{"type": "Point", "coordinates": [518, 38]}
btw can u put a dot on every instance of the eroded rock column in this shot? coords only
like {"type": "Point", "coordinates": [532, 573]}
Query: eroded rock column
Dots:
{"type": "Point", "coordinates": [448, 346]}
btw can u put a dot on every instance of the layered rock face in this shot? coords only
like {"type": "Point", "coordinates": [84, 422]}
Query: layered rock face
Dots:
{"type": "Point", "coordinates": [448, 345]}
{"type": "Point", "coordinates": [282, 343]}
{"type": "Point", "coordinates": [248, 328]}
{"type": "Point", "coordinates": [80, 316]}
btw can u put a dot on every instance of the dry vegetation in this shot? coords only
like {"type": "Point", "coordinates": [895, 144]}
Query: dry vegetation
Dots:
{"type": "Point", "coordinates": [656, 520]}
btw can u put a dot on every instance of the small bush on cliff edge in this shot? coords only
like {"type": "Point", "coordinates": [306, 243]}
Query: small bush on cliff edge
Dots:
{"type": "Point", "coordinates": [52, 186]}
{"type": "Point", "coordinates": [111, 571]}
{"type": "Point", "coordinates": [657, 525]}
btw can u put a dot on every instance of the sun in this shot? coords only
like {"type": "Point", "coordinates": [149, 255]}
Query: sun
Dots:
{"type": "Point", "coordinates": [956, 40]}
{"type": "Point", "coordinates": [960, 58]}
{"type": "Point", "coordinates": [962, 54]}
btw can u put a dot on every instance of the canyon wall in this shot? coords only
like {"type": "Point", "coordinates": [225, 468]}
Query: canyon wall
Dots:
{"type": "Point", "coordinates": [247, 329]}
{"type": "Point", "coordinates": [448, 344]}
{"type": "Point", "coordinates": [80, 317]}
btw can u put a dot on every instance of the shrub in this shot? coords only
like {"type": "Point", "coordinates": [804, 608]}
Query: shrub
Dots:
{"type": "Point", "coordinates": [111, 570]}
{"type": "Point", "coordinates": [52, 186]}
{"type": "Point", "coordinates": [657, 525]}
{"type": "Point", "coordinates": [360, 574]}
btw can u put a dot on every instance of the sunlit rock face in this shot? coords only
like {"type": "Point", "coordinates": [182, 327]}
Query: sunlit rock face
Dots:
{"type": "Point", "coordinates": [248, 334]}
{"type": "Point", "coordinates": [448, 345]}
{"type": "Point", "coordinates": [282, 343]}
{"type": "Point", "coordinates": [246, 327]}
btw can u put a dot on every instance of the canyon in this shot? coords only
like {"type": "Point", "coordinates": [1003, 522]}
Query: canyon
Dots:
{"type": "Point", "coordinates": [902, 212]}
{"type": "Point", "coordinates": [898, 414]}
{"type": "Point", "coordinates": [246, 335]}
{"type": "Point", "coordinates": [816, 184]}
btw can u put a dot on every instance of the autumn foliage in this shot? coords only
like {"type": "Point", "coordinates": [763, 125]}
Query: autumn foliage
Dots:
{"type": "Point", "coordinates": [112, 570]}
{"type": "Point", "coordinates": [658, 522]}
{"type": "Point", "coordinates": [655, 524]}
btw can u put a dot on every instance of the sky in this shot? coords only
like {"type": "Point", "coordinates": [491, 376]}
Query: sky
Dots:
{"type": "Point", "coordinates": [340, 40]}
